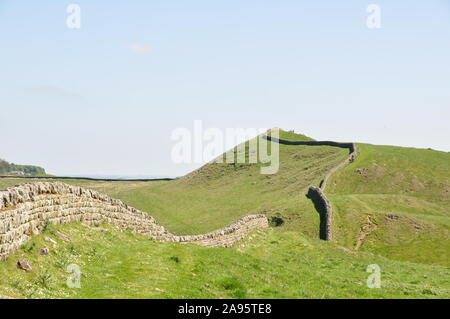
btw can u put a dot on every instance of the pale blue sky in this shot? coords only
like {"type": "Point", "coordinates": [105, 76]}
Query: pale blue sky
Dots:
{"type": "Point", "coordinates": [84, 102]}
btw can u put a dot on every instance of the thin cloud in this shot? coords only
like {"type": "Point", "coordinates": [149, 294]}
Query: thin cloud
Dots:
{"type": "Point", "coordinates": [140, 48]}
{"type": "Point", "coordinates": [56, 92]}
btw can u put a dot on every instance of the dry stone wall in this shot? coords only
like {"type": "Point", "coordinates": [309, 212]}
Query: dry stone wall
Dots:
{"type": "Point", "coordinates": [25, 210]}
{"type": "Point", "coordinates": [316, 194]}
{"type": "Point", "coordinates": [323, 206]}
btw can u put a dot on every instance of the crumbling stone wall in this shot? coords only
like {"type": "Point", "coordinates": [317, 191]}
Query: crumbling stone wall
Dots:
{"type": "Point", "coordinates": [25, 209]}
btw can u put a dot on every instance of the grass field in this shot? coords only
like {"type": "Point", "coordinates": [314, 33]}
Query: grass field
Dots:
{"type": "Point", "coordinates": [391, 208]}
{"type": "Point", "coordinates": [269, 264]}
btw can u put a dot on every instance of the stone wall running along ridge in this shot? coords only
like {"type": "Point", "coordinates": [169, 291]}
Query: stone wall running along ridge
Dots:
{"type": "Point", "coordinates": [26, 208]}
{"type": "Point", "coordinates": [316, 194]}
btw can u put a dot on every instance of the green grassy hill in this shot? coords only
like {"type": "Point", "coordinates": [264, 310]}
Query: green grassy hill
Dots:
{"type": "Point", "coordinates": [391, 208]}
{"type": "Point", "coordinates": [219, 194]}
{"type": "Point", "coordinates": [406, 192]}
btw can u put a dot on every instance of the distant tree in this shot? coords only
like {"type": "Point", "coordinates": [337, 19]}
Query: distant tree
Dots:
{"type": "Point", "coordinates": [5, 167]}
{"type": "Point", "coordinates": [27, 169]}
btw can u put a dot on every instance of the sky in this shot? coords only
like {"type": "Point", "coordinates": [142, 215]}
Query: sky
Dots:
{"type": "Point", "coordinates": [105, 98]}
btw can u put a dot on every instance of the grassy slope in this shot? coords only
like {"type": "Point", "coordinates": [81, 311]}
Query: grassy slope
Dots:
{"type": "Point", "coordinates": [407, 191]}
{"type": "Point", "coordinates": [270, 264]}
{"type": "Point", "coordinates": [410, 184]}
